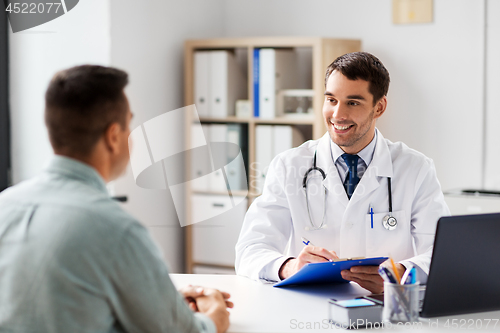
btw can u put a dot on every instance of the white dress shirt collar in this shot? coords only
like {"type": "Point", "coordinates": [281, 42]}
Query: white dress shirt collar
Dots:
{"type": "Point", "coordinates": [366, 153]}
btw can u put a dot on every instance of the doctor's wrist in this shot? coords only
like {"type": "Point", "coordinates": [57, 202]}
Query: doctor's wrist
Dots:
{"type": "Point", "coordinates": [286, 269]}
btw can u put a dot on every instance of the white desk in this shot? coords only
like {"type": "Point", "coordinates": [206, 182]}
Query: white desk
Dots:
{"type": "Point", "coordinates": [262, 308]}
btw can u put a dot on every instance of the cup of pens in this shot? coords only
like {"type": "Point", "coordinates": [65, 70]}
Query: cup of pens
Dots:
{"type": "Point", "coordinates": [400, 297]}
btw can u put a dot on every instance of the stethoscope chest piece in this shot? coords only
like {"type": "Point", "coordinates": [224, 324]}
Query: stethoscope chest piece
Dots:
{"type": "Point", "coordinates": [390, 222]}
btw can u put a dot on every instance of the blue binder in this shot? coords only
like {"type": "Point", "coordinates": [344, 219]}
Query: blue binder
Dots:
{"type": "Point", "coordinates": [256, 64]}
{"type": "Point", "coordinates": [327, 272]}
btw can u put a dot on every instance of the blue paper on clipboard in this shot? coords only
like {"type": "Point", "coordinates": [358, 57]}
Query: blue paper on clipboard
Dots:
{"type": "Point", "coordinates": [327, 272]}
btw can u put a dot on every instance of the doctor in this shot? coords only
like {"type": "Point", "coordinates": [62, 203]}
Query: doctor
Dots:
{"type": "Point", "coordinates": [357, 177]}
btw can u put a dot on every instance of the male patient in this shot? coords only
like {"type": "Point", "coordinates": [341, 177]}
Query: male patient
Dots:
{"type": "Point", "coordinates": [71, 260]}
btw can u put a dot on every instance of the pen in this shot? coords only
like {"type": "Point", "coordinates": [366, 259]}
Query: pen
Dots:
{"type": "Point", "coordinates": [406, 276]}
{"type": "Point", "coordinates": [410, 276]}
{"type": "Point", "coordinates": [413, 275]}
{"type": "Point", "coordinates": [386, 274]}
{"type": "Point", "coordinates": [371, 213]}
{"type": "Point", "coordinates": [308, 242]}
{"type": "Point", "coordinates": [396, 273]}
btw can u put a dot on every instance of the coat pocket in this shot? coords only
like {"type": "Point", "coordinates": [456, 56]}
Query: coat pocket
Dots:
{"type": "Point", "coordinates": [381, 242]}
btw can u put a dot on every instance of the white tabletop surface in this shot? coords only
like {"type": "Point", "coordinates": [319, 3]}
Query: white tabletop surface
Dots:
{"type": "Point", "coordinates": [260, 307]}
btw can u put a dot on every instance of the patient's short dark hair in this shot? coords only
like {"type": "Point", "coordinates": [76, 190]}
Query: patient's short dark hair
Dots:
{"type": "Point", "coordinates": [81, 103]}
{"type": "Point", "coordinates": [364, 66]}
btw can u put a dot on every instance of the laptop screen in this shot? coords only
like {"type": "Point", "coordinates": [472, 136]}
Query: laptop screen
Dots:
{"type": "Point", "coordinates": [464, 275]}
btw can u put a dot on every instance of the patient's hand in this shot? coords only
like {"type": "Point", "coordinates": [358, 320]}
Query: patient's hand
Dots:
{"type": "Point", "coordinates": [214, 304]}
{"type": "Point", "coordinates": [191, 293]}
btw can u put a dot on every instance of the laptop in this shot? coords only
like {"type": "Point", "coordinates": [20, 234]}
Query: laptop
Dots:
{"type": "Point", "coordinates": [464, 276]}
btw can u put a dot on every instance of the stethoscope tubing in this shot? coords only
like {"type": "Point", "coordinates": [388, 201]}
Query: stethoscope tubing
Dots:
{"type": "Point", "coordinates": [316, 168]}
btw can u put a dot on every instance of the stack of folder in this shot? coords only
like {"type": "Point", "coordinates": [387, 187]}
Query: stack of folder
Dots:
{"type": "Point", "coordinates": [273, 70]}
{"type": "Point", "coordinates": [218, 83]}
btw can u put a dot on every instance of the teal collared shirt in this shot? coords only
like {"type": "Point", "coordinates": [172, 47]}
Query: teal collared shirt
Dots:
{"type": "Point", "coordinates": [71, 260]}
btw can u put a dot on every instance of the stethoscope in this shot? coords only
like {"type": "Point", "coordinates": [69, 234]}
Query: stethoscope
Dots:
{"type": "Point", "coordinates": [389, 222]}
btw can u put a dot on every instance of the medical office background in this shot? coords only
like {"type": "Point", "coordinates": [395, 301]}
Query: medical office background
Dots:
{"type": "Point", "coordinates": [443, 98]}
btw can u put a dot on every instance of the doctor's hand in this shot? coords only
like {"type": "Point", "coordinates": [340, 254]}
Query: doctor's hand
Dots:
{"type": "Point", "coordinates": [308, 254]}
{"type": "Point", "coordinates": [368, 276]}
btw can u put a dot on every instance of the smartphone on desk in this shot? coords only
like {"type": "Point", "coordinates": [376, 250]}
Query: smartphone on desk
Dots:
{"type": "Point", "coordinates": [376, 298]}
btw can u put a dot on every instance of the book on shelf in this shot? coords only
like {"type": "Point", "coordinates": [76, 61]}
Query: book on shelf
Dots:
{"type": "Point", "coordinates": [356, 313]}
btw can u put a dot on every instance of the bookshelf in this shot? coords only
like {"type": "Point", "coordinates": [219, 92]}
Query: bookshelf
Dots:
{"type": "Point", "coordinates": [320, 52]}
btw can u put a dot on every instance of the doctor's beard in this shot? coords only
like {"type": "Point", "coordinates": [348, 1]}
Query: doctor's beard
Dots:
{"type": "Point", "coordinates": [360, 134]}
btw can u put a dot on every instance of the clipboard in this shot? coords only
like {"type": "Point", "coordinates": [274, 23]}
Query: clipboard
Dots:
{"type": "Point", "coordinates": [327, 272]}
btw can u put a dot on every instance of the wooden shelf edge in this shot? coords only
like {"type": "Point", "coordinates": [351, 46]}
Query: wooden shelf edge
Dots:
{"type": "Point", "coordinates": [233, 193]}
{"type": "Point", "coordinates": [281, 41]}
{"type": "Point", "coordinates": [285, 121]}
{"type": "Point", "coordinates": [258, 121]}
{"type": "Point", "coordinates": [225, 120]}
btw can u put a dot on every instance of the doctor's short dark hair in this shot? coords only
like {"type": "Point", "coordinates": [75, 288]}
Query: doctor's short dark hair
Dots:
{"type": "Point", "coordinates": [80, 104]}
{"type": "Point", "coordinates": [364, 66]}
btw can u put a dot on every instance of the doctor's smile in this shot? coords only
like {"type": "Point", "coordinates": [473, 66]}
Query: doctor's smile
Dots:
{"type": "Point", "coordinates": [342, 128]}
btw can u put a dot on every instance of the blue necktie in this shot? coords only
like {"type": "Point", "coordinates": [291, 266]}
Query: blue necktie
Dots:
{"type": "Point", "coordinates": [352, 179]}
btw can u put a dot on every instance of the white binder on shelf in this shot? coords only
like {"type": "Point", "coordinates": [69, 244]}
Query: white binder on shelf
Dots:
{"type": "Point", "coordinates": [227, 84]}
{"type": "Point", "coordinates": [218, 134]}
{"type": "Point", "coordinates": [201, 163]}
{"type": "Point", "coordinates": [277, 71]}
{"type": "Point", "coordinates": [269, 142]}
{"type": "Point", "coordinates": [236, 169]}
{"type": "Point", "coordinates": [285, 137]}
{"type": "Point", "coordinates": [201, 82]}
{"type": "Point", "coordinates": [263, 154]}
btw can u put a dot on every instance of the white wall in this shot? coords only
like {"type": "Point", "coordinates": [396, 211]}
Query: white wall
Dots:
{"type": "Point", "coordinates": [147, 42]}
{"type": "Point", "coordinates": [78, 37]}
{"type": "Point", "coordinates": [435, 98]}
{"type": "Point", "coordinates": [492, 168]}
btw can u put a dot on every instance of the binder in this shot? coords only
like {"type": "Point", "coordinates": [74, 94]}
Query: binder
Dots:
{"type": "Point", "coordinates": [327, 272]}
{"type": "Point", "coordinates": [236, 168]}
{"type": "Point", "coordinates": [218, 135]}
{"type": "Point", "coordinates": [201, 164]}
{"type": "Point", "coordinates": [285, 137]}
{"type": "Point", "coordinates": [256, 64]}
{"type": "Point", "coordinates": [201, 78]}
{"type": "Point", "coordinates": [271, 141]}
{"type": "Point", "coordinates": [218, 84]}
{"type": "Point", "coordinates": [226, 84]}
{"type": "Point", "coordinates": [277, 71]}
{"type": "Point", "coordinates": [263, 154]}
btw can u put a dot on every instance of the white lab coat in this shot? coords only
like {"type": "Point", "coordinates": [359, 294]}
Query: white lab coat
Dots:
{"type": "Point", "coordinates": [276, 221]}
